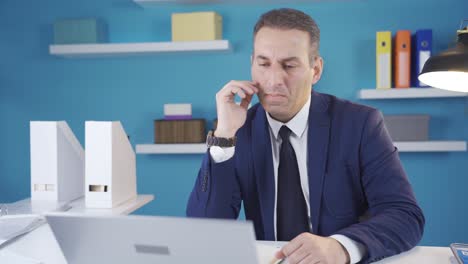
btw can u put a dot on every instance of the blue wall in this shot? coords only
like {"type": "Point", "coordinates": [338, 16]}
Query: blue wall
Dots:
{"type": "Point", "coordinates": [37, 86]}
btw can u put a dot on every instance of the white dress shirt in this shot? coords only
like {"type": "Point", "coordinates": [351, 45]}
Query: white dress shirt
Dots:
{"type": "Point", "coordinates": [299, 126]}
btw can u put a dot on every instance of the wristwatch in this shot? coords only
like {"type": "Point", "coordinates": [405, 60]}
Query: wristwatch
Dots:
{"type": "Point", "coordinates": [211, 140]}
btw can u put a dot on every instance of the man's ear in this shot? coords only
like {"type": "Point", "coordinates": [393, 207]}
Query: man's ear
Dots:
{"type": "Point", "coordinates": [318, 69]}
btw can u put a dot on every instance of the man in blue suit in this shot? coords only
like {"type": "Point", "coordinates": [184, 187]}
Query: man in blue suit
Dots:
{"type": "Point", "coordinates": [310, 168]}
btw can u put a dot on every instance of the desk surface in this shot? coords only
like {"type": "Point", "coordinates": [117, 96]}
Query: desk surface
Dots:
{"type": "Point", "coordinates": [41, 245]}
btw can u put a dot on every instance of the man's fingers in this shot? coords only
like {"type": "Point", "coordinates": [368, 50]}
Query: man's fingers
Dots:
{"type": "Point", "coordinates": [237, 90]}
{"type": "Point", "coordinates": [291, 247]}
{"type": "Point", "coordinates": [279, 254]}
{"type": "Point", "coordinates": [246, 101]}
{"type": "Point", "coordinates": [298, 255]}
{"type": "Point", "coordinates": [310, 259]}
{"type": "Point", "coordinates": [247, 86]}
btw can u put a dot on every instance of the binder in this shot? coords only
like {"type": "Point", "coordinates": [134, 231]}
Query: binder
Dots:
{"type": "Point", "coordinates": [422, 50]}
{"type": "Point", "coordinates": [110, 165]}
{"type": "Point", "coordinates": [57, 162]}
{"type": "Point", "coordinates": [383, 60]}
{"type": "Point", "coordinates": [402, 59]}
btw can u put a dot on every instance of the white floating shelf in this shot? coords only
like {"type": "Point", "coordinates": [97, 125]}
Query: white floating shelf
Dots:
{"type": "Point", "coordinates": [154, 3]}
{"type": "Point", "coordinates": [430, 146]}
{"type": "Point", "coordinates": [407, 93]}
{"type": "Point", "coordinates": [130, 49]}
{"type": "Point", "coordinates": [403, 146]}
{"type": "Point", "coordinates": [157, 3]}
{"type": "Point", "coordinates": [171, 148]}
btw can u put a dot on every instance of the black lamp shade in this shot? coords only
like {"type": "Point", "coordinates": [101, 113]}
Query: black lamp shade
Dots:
{"type": "Point", "coordinates": [449, 69]}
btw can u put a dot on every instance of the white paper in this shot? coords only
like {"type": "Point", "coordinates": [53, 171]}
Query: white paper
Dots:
{"type": "Point", "coordinates": [30, 207]}
{"type": "Point", "coordinates": [12, 226]}
{"type": "Point", "coordinates": [266, 254]}
{"type": "Point", "coordinates": [7, 256]}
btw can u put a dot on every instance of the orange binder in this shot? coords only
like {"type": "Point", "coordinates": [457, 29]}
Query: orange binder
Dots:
{"type": "Point", "coordinates": [402, 58]}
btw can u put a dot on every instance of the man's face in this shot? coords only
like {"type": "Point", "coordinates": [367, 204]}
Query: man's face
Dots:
{"type": "Point", "coordinates": [282, 68]}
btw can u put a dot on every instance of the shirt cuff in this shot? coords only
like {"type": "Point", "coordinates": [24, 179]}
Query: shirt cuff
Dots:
{"type": "Point", "coordinates": [355, 249]}
{"type": "Point", "coordinates": [219, 154]}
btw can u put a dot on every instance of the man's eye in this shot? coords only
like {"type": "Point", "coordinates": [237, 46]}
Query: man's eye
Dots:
{"type": "Point", "coordinates": [263, 64]}
{"type": "Point", "coordinates": [289, 66]}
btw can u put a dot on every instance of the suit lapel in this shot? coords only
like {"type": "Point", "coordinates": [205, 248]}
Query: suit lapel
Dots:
{"type": "Point", "coordinates": [317, 150]}
{"type": "Point", "coordinates": [263, 166]}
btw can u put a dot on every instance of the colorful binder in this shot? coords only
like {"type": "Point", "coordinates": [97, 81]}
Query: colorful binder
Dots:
{"type": "Point", "coordinates": [402, 58]}
{"type": "Point", "coordinates": [422, 50]}
{"type": "Point", "coordinates": [384, 60]}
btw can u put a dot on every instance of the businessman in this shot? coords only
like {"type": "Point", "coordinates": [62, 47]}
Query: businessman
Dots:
{"type": "Point", "coordinates": [311, 169]}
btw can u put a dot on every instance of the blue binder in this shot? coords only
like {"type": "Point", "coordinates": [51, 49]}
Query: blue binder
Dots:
{"type": "Point", "coordinates": [422, 43]}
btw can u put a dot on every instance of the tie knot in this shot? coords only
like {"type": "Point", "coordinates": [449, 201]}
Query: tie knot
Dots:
{"type": "Point", "coordinates": [284, 133]}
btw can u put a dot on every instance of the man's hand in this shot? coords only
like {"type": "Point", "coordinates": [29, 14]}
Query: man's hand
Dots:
{"type": "Point", "coordinates": [230, 115]}
{"type": "Point", "coordinates": [308, 248]}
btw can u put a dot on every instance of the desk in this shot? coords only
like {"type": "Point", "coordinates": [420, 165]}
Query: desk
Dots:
{"type": "Point", "coordinates": [41, 245]}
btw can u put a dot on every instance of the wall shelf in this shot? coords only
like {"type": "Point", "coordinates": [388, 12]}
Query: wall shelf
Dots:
{"type": "Point", "coordinates": [171, 148]}
{"type": "Point", "coordinates": [430, 146]}
{"type": "Point", "coordinates": [407, 93]}
{"type": "Point", "coordinates": [130, 49]}
{"type": "Point", "coordinates": [157, 3]}
{"type": "Point", "coordinates": [403, 146]}
{"type": "Point", "coordinates": [154, 3]}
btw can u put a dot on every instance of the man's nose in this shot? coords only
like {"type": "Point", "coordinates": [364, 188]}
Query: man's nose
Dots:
{"type": "Point", "coordinates": [275, 77]}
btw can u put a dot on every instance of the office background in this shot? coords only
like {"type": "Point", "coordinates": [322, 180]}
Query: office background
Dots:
{"type": "Point", "coordinates": [37, 86]}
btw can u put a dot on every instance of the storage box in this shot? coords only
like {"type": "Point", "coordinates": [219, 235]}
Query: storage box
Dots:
{"type": "Point", "coordinates": [179, 131]}
{"type": "Point", "coordinates": [177, 111]}
{"type": "Point", "coordinates": [197, 26]}
{"type": "Point", "coordinates": [79, 31]}
{"type": "Point", "coordinates": [110, 165]}
{"type": "Point", "coordinates": [57, 162]}
{"type": "Point", "coordinates": [408, 127]}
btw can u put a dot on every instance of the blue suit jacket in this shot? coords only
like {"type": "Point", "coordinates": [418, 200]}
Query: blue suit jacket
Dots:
{"type": "Point", "coordinates": [353, 170]}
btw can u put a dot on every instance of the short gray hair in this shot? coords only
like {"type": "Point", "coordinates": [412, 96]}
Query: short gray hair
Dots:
{"type": "Point", "coordinates": [287, 18]}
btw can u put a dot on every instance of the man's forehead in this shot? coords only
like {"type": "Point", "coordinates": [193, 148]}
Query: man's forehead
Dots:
{"type": "Point", "coordinates": [284, 43]}
{"type": "Point", "coordinates": [267, 34]}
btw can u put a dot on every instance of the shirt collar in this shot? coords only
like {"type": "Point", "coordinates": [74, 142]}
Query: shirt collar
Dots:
{"type": "Point", "coordinates": [297, 124]}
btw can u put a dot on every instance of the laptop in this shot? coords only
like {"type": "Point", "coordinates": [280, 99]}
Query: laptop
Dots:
{"type": "Point", "coordinates": [153, 239]}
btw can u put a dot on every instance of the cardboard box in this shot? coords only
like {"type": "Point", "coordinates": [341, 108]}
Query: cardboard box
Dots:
{"type": "Point", "coordinates": [197, 26]}
{"type": "Point", "coordinates": [79, 31]}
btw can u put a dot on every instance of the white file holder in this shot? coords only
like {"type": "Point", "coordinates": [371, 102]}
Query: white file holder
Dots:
{"type": "Point", "coordinates": [110, 165]}
{"type": "Point", "coordinates": [57, 162]}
